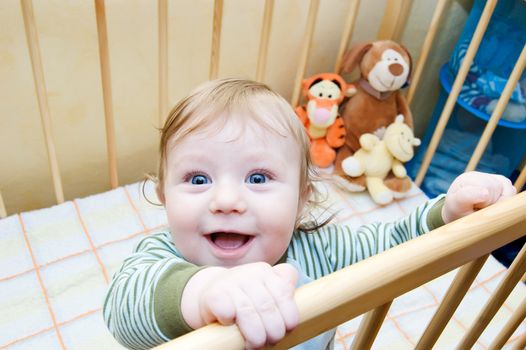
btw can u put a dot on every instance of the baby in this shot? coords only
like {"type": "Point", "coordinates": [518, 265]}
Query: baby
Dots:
{"type": "Point", "coordinates": [236, 182]}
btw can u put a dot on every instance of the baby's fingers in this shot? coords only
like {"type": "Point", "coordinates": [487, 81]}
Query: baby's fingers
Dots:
{"type": "Point", "coordinates": [282, 286]}
{"type": "Point", "coordinates": [508, 189]}
{"type": "Point", "coordinates": [268, 311]}
{"type": "Point", "coordinates": [218, 306]}
{"type": "Point", "coordinates": [248, 320]}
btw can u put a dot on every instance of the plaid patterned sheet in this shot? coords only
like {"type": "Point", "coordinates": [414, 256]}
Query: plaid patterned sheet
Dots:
{"type": "Point", "coordinates": [55, 265]}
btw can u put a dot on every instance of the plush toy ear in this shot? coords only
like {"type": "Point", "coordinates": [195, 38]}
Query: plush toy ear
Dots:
{"type": "Point", "coordinates": [410, 63]}
{"type": "Point", "coordinates": [399, 118]}
{"type": "Point", "coordinates": [354, 56]}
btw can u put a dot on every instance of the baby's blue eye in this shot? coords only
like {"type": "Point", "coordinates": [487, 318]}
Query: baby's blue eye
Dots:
{"type": "Point", "coordinates": [257, 178]}
{"type": "Point", "coordinates": [199, 180]}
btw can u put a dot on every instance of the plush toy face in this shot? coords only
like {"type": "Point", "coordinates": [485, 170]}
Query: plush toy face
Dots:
{"type": "Point", "coordinates": [390, 72]}
{"type": "Point", "coordinates": [399, 139]}
{"type": "Point", "coordinates": [322, 108]}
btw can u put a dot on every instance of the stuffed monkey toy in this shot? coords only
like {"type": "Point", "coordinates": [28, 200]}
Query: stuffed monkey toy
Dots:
{"type": "Point", "coordinates": [385, 68]}
{"type": "Point", "coordinates": [320, 115]}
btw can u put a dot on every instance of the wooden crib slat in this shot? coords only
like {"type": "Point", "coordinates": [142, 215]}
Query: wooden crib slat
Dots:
{"type": "Point", "coordinates": [499, 109]}
{"type": "Point", "coordinates": [426, 48]}
{"type": "Point", "coordinates": [520, 344]}
{"type": "Point", "coordinates": [513, 323]}
{"type": "Point", "coordinates": [3, 212]}
{"type": "Point", "coordinates": [395, 19]}
{"type": "Point", "coordinates": [40, 89]}
{"type": "Point", "coordinates": [162, 13]}
{"type": "Point", "coordinates": [456, 292]}
{"type": "Point", "coordinates": [455, 90]}
{"type": "Point", "coordinates": [347, 33]}
{"type": "Point", "coordinates": [339, 298]}
{"type": "Point", "coordinates": [369, 327]}
{"type": "Point", "coordinates": [104, 56]}
{"type": "Point", "coordinates": [513, 275]}
{"type": "Point", "coordinates": [519, 183]}
{"type": "Point", "coordinates": [304, 55]}
{"type": "Point", "coordinates": [216, 39]}
{"type": "Point", "coordinates": [263, 42]}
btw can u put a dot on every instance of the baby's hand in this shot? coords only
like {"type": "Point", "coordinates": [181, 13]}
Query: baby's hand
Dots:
{"type": "Point", "coordinates": [472, 191]}
{"type": "Point", "coordinates": [257, 297]}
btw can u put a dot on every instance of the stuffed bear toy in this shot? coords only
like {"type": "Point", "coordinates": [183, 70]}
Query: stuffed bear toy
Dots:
{"type": "Point", "coordinates": [376, 158]}
{"type": "Point", "coordinates": [385, 68]}
{"type": "Point", "coordinates": [324, 93]}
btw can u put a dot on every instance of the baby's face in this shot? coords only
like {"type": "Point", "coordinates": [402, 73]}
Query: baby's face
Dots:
{"type": "Point", "coordinates": [231, 196]}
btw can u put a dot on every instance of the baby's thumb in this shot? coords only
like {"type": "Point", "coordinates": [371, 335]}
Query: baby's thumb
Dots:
{"type": "Point", "coordinates": [472, 197]}
{"type": "Point", "coordinates": [287, 272]}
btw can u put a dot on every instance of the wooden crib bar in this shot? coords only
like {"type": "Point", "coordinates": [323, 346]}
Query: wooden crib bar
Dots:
{"type": "Point", "coordinates": [455, 90]}
{"type": "Point", "coordinates": [521, 179]}
{"type": "Point", "coordinates": [513, 275]}
{"type": "Point", "coordinates": [3, 212]}
{"type": "Point", "coordinates": [162, 15]}
{"type": "Point", "coordinates": [356, 289]}
{"type": "Point", "coordinates": [263, 41]}
{"type": "Point", "coordinates": [40, 88]}
{"type": "Point", "coordinates": [304, 54]}
{"type": "Point", "coordinates": [370, 326]}
{"type": "Point", "coordinates": [513, 323]}
{"type": "Point", "coordinates": [216, 39]}
{"type": "Point", "coordinates": [348, 29]}
{"type": "Point", "coordinates": [499, 110]}
{"type": "Point", "coordinates": [104, 57]}
{"type": "Point", "coordinates": [426, 48]}
{"type": "Point", "coordinates": [394, 19]}
{"type": "Point", "coordinates": [456, 292]}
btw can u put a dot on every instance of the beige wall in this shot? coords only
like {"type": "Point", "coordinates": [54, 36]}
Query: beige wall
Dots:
{"type": "Point", "coordinates": [68, 40]}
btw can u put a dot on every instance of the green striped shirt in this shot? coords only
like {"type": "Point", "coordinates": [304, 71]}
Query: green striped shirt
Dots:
{"type": "Point", "coordinates": [142, 305]}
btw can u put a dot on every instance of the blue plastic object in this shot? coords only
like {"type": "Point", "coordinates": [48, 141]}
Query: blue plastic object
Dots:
{"type": "Point", "coordinates": [492, 65]}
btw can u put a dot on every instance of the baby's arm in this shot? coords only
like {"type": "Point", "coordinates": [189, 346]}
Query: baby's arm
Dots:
{"type": "Point", "coordinates": [472, 191]}
{"type": "Point", "coordinates": [257, 297]}
{"type": "Point", "coordinates": [140, 302]}
{"type": "Point", "coordinates": [468, 192]}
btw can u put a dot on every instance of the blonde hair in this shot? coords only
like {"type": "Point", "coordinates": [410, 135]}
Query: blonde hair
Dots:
{"type": "Point", "coordinates": [215, 101]}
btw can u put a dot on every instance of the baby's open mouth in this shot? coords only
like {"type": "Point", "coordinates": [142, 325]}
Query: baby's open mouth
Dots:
{"type": "Point", "coordinates": [229, 240]}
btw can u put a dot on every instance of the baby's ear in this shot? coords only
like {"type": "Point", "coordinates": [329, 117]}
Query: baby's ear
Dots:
{"type": "Point", "coordinates": [304, 198]}
{"type": "Point", "coordinates": [160, 193]}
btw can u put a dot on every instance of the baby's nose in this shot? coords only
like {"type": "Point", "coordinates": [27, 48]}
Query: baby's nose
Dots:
{"type": "Point", "coordinates": [227, 198]}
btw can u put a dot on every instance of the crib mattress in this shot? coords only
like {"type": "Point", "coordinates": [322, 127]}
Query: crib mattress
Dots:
{"type": "Point", "coordinates": [56, 263]}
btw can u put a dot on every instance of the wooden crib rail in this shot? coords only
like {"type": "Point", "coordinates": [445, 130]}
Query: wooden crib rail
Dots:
{"type": "Point", "coordinates": [376, 281]}
{"type": "Point", "coordinates": [455, 90]}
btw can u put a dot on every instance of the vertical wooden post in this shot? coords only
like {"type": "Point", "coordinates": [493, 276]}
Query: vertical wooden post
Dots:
{"type": "Point", "coordinates": [347, 33]}
{"type": "Point", "coordinates": [513, 323]}
{"type": "Point", "coordinates": [499, 109]}
{"type": "Point", "coordinates": [163, 60]}
{"type": "Point", "coordinates": [369, 327]}
{"type": "Point", "coordinates": [40, 89]}
{"type": "Point", "coordinates": [426, 48]}
{"type": "Point", "coordinates": [513, 275]}
{"type": "Point", "coordinates": [216, 39]}
{"type": "Point", "coordinates": [394, 20]}
{"type": "Point", "coordinates": [104, 56]}
{"type": "Point", "coordinates": [3, 212]}
{"type": "Point", "coordinates": [304, 55]}
{"type": "Point", "coordinates": [519, 183]}
{"type": "Point", "coordinates": [263, 41]}
{"type": "Point", "coordinates": [455, 90]}
{"type": "Point", "coordinates": [456, 292]}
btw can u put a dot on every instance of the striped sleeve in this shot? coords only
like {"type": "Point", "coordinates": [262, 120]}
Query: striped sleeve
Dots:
{"type": "Point", "coordinates": [334, 246]}
{"type": "Point", "coordinates": [129, 307]}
